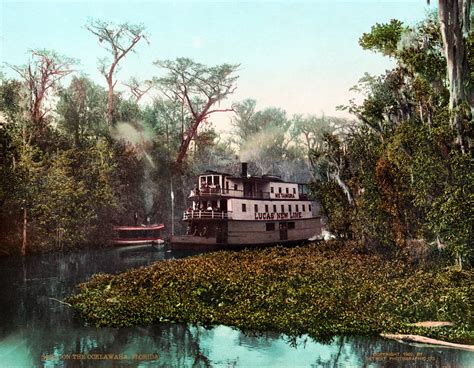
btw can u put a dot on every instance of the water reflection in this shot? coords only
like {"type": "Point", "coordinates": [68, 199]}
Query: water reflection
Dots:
{"type": "Point", "coordinates": [37, 330]}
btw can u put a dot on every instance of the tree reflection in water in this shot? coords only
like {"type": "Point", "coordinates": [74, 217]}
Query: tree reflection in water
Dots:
{"type": "Point", "coordinates": [34, 324]}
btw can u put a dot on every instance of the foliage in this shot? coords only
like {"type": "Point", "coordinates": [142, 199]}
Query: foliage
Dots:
{"type": "Point", "coordinates": [118, 40]}
{"type": "Point", "coordinates": [277, 144]}
{"type": "Point", "coordinates": [383, 38]}
{"type": "Point", "coordinates": [322, 290]}
{"type": "Point", "coordinates": [71, 180]}
{"type": "Point", "coordinates": [401, 163]}
{"type": "Point", "coordinates": [40, 77]}
{"type": "Point", "coordinates": [68, 174]}
{"type": "Point", "coordinates": [452, 214]}
{"type": "Point", "coordinates": [197, 88]}
{"type": "Point", "coordinates": [334, 208]}
{"type": "Point", "coordinates": [81, 109]}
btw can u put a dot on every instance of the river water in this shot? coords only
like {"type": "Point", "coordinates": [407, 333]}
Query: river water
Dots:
{"type": "Point", "coordinates": [36, 330]}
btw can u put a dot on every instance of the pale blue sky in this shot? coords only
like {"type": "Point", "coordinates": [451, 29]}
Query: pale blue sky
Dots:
{"type": "Point", "coordinates": [302, 56]}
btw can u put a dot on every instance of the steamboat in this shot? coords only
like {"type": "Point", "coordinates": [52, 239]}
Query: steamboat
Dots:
{"type": "Point", "coordinates": [232, 210]}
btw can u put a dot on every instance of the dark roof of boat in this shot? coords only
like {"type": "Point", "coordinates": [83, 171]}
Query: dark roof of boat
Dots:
{"type": "Point", "coordinates": [253, 177]}
{"type": "Point", "coordinates": [215, 173]}
{"type": "Point", "coordinates": [261, 178]}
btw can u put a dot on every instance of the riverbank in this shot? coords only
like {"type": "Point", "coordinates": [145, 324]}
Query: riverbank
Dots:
{"type": "Point", "coordinates": [320, 290]}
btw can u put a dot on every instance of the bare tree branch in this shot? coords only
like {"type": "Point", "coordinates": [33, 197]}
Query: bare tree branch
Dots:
{"type": "Point", "coordinates": [40, 76]}
{"type": "Point", "coordinates": [199, 88]}
{"type": "Point", "coordinates": [119, 40]}
{"type": "Point", "coordinates": [139, 89]}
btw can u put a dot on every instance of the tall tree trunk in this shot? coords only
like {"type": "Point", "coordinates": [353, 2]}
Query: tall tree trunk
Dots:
{"type": "Point", "coordinates": [110, 101]}
{"type": "Point", "coordinates": [344, 187]}
{"type": "Point", "coordinates": [172, 204]}
{"type": "Point", "coordinates": [454, 18]}
{"type": "Point", "coordinates": [25, 223]}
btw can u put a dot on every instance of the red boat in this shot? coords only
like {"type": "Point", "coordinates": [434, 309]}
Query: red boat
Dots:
{"type": "Point", "coordinates": [138, 235]}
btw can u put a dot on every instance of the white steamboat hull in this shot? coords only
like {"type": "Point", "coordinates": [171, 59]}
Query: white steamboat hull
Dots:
{"type": "Point", "coordinates": [249, 233]}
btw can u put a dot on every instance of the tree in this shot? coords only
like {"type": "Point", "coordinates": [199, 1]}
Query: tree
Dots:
{"type": "Point", "coordinates": [243, 120]}
{"type": "Point", "coordinates": [271, 141]}
{"type": "Point", "coordinates": [310, 131]}
{"type": "Point", "coordinates": [81, 108]}
{"type": "Point", "coordinates": [455, 23]}
{"type": "Point", "coordinates": [118, 40]}
{"type": "Point", "coordinates": [262, 136]}
{"type": "Point", "coordinates": [10, 97]}
{"type": "Point", "coordinates": [197, 88]}
{"type": "Point", "coordinates": [138, 89]}
{"type": "Point", "coordinates": [383, 38]}
{"type": "Point", "coordinates": [41, 76]}
{"type": "Point", "coordinates": [401, 165]}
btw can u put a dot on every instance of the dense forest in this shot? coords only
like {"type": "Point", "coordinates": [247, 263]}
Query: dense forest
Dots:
{"type": "Point", "coordinates": [77, 158]}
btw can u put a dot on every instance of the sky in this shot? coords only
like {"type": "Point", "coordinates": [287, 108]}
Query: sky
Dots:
{"type": "Point", "coordinates": [301, 56]}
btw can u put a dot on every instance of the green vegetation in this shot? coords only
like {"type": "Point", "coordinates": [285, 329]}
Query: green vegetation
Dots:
{"type": "Point", "coordinates": [322, 290]}
{"type": "Point", "coordinates": [405, 172]}
{"type": "Point", "coordinates": [399, 177]}
{"type": "Point", "coordinates": [76, 160]}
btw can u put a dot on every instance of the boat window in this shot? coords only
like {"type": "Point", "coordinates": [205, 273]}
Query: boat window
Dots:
{"type": "Point", "coordinates": [304, 208]}
{"type": "Point", "coordinates": [256, 207]}
{"type": "Point", "coordinates": [287, 190]}
{"type": "Point", "coordinates": [291, 225]}
{"type": "Point", "coordinates": [235, 187]}
{"type": "Point", "coordinates": [309, 208]}
{"type": "Point", "coordinates": [279, 189]}
{"type": "Point", "coordinates": [274, 208]}
{"type": "Point", "coordinates": [294, 190]}
{"type": "Point", "coordinates": [282, 208]}
{"type": "Point", "coordinates": [270, 226]}
{"type": "Point", "coordinates": [297, 208]}
{"type": "Point", "coordinates": [271, 189]}
{"type": "Point", "coordinates": [289, 208]}
{"type": "Point", "coordinates": [266, 208]}
{"type": "Point", "coordinates": [209, 180]}
{"type": "Point", "coordinates": [216, 180]}
{"type": "Point", "coordinates": [244, 207]}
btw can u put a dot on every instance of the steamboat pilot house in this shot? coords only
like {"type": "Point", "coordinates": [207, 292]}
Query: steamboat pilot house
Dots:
{"type": "Point", "coordinates": [248, 210]}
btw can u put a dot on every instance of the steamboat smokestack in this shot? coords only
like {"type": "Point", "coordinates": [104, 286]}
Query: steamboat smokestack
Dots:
{"type": "Point", "coordinates": [244, 170]}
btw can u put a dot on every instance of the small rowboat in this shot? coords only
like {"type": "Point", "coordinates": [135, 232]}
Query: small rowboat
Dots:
{"type": "Point", "coordinates": [138, 235]}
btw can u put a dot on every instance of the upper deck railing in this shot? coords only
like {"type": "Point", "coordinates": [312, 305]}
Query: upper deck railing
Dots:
{"type": "Point", "coordinates": [206, 215]}
{"type": "Point", "coordinates": [218, 191]}
{"type": "Point", "coordinates": [209, 192]}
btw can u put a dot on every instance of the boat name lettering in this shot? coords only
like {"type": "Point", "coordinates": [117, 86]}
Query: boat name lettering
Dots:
{"type": "Point", "coordinates": [277, 216]}
{"type": "Point", "coordinates": [284, 195]}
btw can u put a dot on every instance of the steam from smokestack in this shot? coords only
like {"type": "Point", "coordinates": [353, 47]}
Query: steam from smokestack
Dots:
{"type": "Point", "coordinates": [141, 139]}
{"type": "Point", "coordinates": [252, 149]}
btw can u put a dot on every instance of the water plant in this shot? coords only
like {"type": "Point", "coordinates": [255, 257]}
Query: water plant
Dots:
{"type": "Point", "coordinates": [320, 290]}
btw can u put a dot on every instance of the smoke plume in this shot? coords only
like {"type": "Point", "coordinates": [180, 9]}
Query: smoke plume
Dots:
{"type": "Point", "coordinates": [141, 139]}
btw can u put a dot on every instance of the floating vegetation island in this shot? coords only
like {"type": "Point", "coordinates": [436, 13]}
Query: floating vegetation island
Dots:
{"type": "Point", "coordinates": [319, 290]}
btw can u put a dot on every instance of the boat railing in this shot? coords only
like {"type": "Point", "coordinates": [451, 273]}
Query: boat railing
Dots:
{"type": "Point", "coordinates": [196, 214]}
{"type": "Point", "coordinates": [208, 192]}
